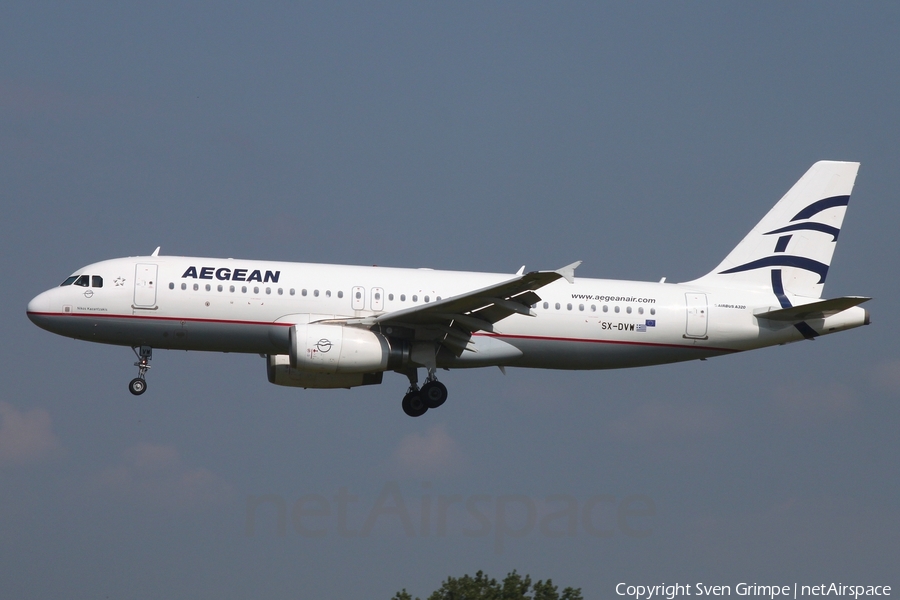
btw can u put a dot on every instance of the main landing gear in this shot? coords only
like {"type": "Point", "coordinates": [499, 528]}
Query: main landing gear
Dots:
{"type": "Point", "coordinates": [417, 401]}
{"type": "Point", "coordinates": [138, 385]}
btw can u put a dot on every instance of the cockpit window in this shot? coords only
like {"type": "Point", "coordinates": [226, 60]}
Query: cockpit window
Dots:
{"type": "Point", "coordinates": [83, 281]}
{"type": "Point", "coordinates": [96, 281]}
{"type": "Point", "coordinates": [69, 281]}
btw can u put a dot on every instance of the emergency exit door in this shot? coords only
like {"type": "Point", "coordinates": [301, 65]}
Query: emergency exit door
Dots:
{"type": "Point", "coordinates": [697, 316]}
{"type": "Point", "coordinates": [145, 285]}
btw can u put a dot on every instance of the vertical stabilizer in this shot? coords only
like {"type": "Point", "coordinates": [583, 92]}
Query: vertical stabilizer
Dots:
{"type": "Point", "coordinates": [790, 250]}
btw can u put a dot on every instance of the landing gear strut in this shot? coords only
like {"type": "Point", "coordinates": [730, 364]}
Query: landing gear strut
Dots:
{"type": "Point", "coordinates": [138, 385]}
{"type": "Point", "coordinates": [417, 401]}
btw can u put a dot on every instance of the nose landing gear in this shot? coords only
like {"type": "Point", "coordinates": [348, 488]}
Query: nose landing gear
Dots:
{"type": "Point", "coordinates": [138, 385]}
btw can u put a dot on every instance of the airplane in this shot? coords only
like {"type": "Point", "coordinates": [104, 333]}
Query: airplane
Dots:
{"type": "Point", "coordinates": [339, 326]}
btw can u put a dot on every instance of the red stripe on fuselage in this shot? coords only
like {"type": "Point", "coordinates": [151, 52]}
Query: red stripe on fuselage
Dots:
{"type": "Point", "coordinates": [156, 318]}
{"type": "Point", "coordinates": [288, 324]}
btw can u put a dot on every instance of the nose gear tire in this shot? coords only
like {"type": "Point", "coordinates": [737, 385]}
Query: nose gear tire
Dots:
{"type": "Point", "coordinates": [137, 386]}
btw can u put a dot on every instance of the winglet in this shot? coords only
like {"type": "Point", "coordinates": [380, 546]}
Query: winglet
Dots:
{"type": "Point", "coordinates": [156, 252]}
{"type": "Point", "coordinates": [568, 272]}
{"type": "Point", "coordinates": [521, 270]}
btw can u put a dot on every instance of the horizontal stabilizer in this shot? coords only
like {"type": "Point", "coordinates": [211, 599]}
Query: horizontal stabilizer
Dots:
{"type": "Point", "coordinates": [815, 310]}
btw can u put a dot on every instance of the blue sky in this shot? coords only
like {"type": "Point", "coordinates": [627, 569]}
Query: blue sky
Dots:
{"type": "Point", "coordinates": [644, 139]}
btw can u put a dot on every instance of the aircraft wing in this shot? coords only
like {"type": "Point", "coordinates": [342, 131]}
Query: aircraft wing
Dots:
{"type": "Point", "coordinates": [814, 310]}
{"type": "Point", "coordinates": [451, 321]}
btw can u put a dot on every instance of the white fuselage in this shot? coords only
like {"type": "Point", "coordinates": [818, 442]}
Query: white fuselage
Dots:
{"type": "Point", "coordinates": [231, 305]}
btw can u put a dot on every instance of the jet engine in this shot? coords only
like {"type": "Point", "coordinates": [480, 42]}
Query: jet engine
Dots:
{"type": "Point", "coordinates": [279, 371]}
{"type": "Point", "coordinates": [320, 348]}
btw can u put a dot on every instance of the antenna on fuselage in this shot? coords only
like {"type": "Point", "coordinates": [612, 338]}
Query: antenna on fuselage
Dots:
{"type": "Point", "coordinates": [156, 252]}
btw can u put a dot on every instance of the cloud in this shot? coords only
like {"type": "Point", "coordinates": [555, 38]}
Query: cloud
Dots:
{"type": "Point", "coordinates": [820, 528]}
{"type": "Point", "coordinates": [155, 475]}
{"type": "Point", "coordinates": [26, 99]}
{"type": "Point", "coordinates": [29, 100]}
{"type": "Point", "coordinates": [668, 421]}
{"type": "Point", "coordinates": [25, 437]}
{"type": "Point", "coordinates": [819, 401]}
{"type": "Point", "coordinates": [431, 454]}
{"type": "Point", "coordinates": [886, 376]}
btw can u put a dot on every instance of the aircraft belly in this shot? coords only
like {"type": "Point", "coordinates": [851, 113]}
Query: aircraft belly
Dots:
{"type": "Point", "coordinates": [600, 354]}
{"type": "Point", "coordinates": [170, 334]}
{"type": "Point", "coordinates": [485, 351]}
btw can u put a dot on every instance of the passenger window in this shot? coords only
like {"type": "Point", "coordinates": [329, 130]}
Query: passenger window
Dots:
{"type": "Point", "coordinates": [546, 305]}
{"type": "Point", "coordinates": [303, 292]}
{"type": "Point", "coordinates": [231, 288]}
{"type": "Point", "coordinates": [557, 306]}
{"type": "Point", "coordinates": [280, 292]}
{"type": "Point", "coordinates": [640, 310]}
{"type": "Point", "coordinates": [378, 296]}
{"type": "Point", "coordinates": [616, 309]}
{"type": "Point", "coordinates": [196, 286]}
{"type": "Point", "coordinates": [69, 280]}
{"type": "Point", "coordinates": [390, 297]}
{"type": "Point", "coordinates": [328, 293]}
{"type": "Point", "coordinates": [569, 306]}
{"type": "Point", "coordinates": [171, 286]}
{"type": "Point", "coordinates": [268, 290]}
{"type": "Point", "coordinates": [358, 295]}
{"type": "Point", "coordinates": [402, 297]}
{"type": "Point", "coordinates": [593, 308]}
{"type": "Point", "coordinates": [219, 287]}
{"type": "Point", "coordinates": [184, 286]}
{"type": "Point", "coordinates": [415, 298]}
{"type": "Point", "coordinates": [427, 299]}
{"type": "Point", "coordinates": [255, 290]}
{"type": "Point", "coordinates": [628, 310]}
{"type": "Point", "coordinates": [292, 291]}
{"type": "Point", "coordinates": [316, 293]}
{"type": "Point", "coordinates": [83, 281]}
{"type": "Point", "coordinates": [605, 308]}
{"type": "Point", "coordinates": [340, 294]}
{"type": "Point", "coordinates": [438, 299]}
{"type": "Point", "coordinates": [208, 288]}
{"type": "Point", "coordinates": [652, 311]}
{"type": "Point", "coordinates": [243, 289]}
{"type": "Point", "coordinates": [96, 281]}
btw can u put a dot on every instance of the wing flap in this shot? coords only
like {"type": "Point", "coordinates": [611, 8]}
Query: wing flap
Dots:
{"type": "Point", "coordinates": [480, 309]}
{"type": "Point", "coordinates": [451, 322]}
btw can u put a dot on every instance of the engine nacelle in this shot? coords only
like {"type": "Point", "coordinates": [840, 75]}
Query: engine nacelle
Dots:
{"type": "Point", "coordinates": [318, 348]}
{"type": "Point", "coordinates": [279, 372]}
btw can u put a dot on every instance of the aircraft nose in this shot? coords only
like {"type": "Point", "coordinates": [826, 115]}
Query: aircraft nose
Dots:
{"type": "Point", "coordinates": [38, 304]}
